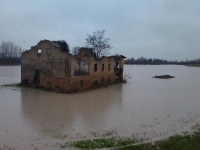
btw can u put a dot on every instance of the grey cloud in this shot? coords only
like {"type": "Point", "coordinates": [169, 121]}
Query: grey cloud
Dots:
{"type": "Point", "coordinates": [165, 29]}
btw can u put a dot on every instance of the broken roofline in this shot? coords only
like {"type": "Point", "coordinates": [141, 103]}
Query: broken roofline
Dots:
{"type": "Point", "coordinates": [62, 43]}
{"type": "Point", "coordinates": [76, 55]}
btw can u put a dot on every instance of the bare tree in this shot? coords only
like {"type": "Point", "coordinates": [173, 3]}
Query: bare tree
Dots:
{"type": "Point", "coordinates": [98, 43]}
{"type": "Point", "coordinates": [75, 50]}
{"type": "Point", "coordinates": [10, 50]}
{"type": "Point", "coordinates": [6, 44]}
{"type": "Point", "coordinates": [19, 51]}
{"type": "Point", "coordinates": [2, 48]}
{"type": "Point", "coordinates": [15, 51]}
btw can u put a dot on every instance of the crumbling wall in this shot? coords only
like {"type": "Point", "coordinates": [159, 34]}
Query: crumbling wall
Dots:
{"type": "Point", "coordinates": [45, 65]}
{"type": "Point", "coordinates": [50, 62]}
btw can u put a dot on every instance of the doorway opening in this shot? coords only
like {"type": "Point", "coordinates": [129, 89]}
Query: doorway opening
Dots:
{"type": "Point", "coordinates": [37, 77]}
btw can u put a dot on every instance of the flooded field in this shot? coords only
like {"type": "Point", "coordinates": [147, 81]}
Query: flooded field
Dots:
{"type": "Point", "coordinates": [143, 107]}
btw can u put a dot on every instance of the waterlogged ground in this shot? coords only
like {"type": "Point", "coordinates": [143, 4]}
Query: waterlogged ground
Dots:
{"type": "Point", "coordinates": [144, 107]}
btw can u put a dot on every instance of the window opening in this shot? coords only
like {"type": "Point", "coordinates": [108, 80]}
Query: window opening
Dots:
{"type": "Point", "coordinates": [39, 51]}
{"type": "Point", "coordinates": [37, 76]}
{"type": "Point", "coordinates": [108, 67]}
{"type": "Point", "coordinates": [102, 67]}
{"type": "Point", "coordinates": [95, 67]}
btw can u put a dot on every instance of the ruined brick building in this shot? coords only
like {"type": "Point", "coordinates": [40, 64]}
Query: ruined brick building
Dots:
{"type": "Point", "coordinates": [46, 65]}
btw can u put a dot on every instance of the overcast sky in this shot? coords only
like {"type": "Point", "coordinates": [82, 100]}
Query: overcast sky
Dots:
{"type": "Point", "coordinates": [165, 29]}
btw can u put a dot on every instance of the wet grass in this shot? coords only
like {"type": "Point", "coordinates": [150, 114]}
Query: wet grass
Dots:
{"type": "Point", "coordinates": [12, 85]}
{"type": "Point", "coordinates": [19, 85]}
{"type": "Point", "coordinates": [100, 143]}
{"type": "Point", "coordinates": [176, 142]}
{"type": "Point", "coordinates": [59, 136]}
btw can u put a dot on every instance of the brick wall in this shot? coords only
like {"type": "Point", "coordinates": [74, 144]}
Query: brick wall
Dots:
{"type": "Point", "coordinates": [45, 65]}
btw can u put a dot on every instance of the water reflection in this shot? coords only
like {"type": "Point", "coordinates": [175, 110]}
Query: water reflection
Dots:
{"type": "Point", "coordinates": [87, 110]}
{"type": "Point", "coordinates": [10, 74]}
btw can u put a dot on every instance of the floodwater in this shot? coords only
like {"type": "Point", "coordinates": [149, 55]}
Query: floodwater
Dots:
{"type": "Point", "coordinates": [143, 107]}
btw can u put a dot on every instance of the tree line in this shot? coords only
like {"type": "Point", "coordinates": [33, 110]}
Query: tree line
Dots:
{"type": "Point", "coordinates": [10, 53]}
{"type": "Point", "coordinates": [155, 61]}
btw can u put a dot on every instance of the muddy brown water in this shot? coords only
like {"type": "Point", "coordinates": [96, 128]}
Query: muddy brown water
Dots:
{"type": "Point", "coordinates": [143, 107]}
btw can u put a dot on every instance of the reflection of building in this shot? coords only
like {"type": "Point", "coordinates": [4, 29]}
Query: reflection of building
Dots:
{"type": "Point", "coordinates": [46, 65]}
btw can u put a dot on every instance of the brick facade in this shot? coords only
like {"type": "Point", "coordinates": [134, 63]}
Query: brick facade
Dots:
{"type": "Point", "coordinates": [45, 65]}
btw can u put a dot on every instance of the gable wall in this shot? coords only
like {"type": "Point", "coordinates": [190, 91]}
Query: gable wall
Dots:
{"type": "Point", "coordinates": [50, 63]}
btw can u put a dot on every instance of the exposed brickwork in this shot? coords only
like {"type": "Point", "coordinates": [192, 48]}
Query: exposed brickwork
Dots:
{"type": "Point", "coordinates": [45, 65]}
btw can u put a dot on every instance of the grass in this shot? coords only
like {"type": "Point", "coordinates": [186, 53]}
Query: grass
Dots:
{"type": "Point", "coordinates": [59, 136]}
{"type": "Point", "coordinates": [100, 143]}
{"type": "Point", "coordinates": [193, 65]}
{"type": "Point", "coordinates": [12, 85]}
{"type": "Point", "coordinates": [176, 142]}
{"type": "Point", "coordinates": [18, 85]}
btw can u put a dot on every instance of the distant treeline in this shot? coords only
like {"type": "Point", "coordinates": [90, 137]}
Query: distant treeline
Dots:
{"type": "Point", "coordinates": [10, 54]}
{"type": "Point", "coordinates": [10, 61]}
{"type": "Point", "coordinates": [154, 61]}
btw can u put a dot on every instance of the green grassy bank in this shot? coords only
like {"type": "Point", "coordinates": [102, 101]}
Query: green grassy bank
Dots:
{"type": "Point", "coordinates": [193, 65]}
{"type": "Point", "coordinates": [176, 142]}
